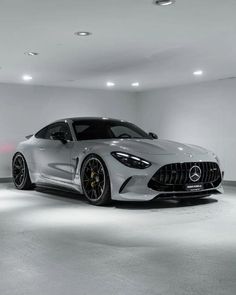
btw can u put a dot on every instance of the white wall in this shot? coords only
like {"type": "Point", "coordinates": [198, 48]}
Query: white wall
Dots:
{"type": "Point", "coordinates": [202, 114]}
{"type": "Point", "coordinates": [25, 109]}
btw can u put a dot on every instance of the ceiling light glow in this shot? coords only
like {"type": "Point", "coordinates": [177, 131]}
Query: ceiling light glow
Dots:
{"type": "Point", "coordinates": [27, 77]}
{"type": "Point", "coordinates": [30, 53]}
{"type": "Point", "coordinates": [110, 84]}
{"type": "Point", "coordinates": [83, 34]}
{"type": "Point", "coordinates": [198, 73]}
{"type": "Point", "coordinates": [164, 2]}
{"type": "Point", "coordinates": [135, 84]}
{"type": "Point", "coordinates": [167, 3]}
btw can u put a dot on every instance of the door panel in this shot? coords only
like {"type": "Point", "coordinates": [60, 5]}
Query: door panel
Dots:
{"type": "Point", "coordinates": [54, 156]}
{"type": "Point", "coordinates": [55, 160]}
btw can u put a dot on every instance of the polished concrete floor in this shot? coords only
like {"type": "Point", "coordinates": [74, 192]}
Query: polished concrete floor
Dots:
{"type": "Point", "coordinates": [58, 244]}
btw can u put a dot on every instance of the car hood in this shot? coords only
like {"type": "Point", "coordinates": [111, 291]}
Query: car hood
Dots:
{"type": "Point", "coordinates": [154, 147]}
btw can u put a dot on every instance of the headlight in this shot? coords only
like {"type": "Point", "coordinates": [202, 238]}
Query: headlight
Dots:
{"type": "Point", "coordinates": [131, 161]}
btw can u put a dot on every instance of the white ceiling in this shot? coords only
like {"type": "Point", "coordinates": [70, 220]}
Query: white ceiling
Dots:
{"type": "Point", "coordinates": [132, 40]}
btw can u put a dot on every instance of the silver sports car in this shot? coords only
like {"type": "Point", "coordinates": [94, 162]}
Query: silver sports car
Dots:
{"type": "Point", "coordinates": [108, 159]}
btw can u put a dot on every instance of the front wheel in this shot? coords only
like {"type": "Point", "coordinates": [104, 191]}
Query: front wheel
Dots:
{"type": "Point", "coordinates": [95, 181]}
{"type": "Point", "coordinates": [20, 173]}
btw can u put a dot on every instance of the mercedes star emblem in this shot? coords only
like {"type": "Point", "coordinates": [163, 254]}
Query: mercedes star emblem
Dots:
{"type": "Point", "coordinates": [195, 173]}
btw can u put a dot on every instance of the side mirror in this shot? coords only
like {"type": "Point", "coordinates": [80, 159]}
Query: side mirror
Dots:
{"type": "Point", "coordinates": [153, 135]}
{"type": "Point", "coordinates": [59, 136]}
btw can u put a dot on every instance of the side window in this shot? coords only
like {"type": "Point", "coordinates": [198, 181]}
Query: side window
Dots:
{"type": "Point", "coordinates": [41, 133]}
{"type": "Point", "coordinates": [46, 133]}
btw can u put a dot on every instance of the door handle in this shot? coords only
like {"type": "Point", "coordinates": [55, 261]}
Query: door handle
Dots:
{"type": "Point", "coordinates": [42, 149]}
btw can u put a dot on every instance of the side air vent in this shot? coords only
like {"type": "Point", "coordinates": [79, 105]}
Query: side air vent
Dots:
{"type": "Point", "coordinates": [124, 184]}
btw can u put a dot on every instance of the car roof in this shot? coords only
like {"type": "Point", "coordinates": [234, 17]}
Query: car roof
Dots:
{"type": "Point", "coordinates": [88, 119]}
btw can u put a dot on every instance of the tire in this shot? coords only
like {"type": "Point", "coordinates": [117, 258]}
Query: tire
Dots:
{"type": "Point", "coordinates": [95, 181]}
{"type": "Point", "coordinates": [20, 173]}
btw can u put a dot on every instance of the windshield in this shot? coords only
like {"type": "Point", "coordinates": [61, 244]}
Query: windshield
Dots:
{"type": "Point", "coordinates": [107, 129]}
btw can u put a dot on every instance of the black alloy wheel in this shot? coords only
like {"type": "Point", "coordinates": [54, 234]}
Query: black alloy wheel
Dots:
{"type": "Point", "coordinates": [20, 173]}
{"type": "Point", "coordinates": [95, 180]}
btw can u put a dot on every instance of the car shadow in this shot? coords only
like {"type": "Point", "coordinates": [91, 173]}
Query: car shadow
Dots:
{"type": "Point", "coordinates": [73, 197]}
{"type": "Point", "coordinates": [163, 204]}
{"type": "Point", "coordinates": [68, 196]}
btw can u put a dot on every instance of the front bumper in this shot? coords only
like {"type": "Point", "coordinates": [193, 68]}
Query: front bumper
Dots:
{"type": "Point", "coordinates": [137, 190]}
{"type": "Point", "coordinates": [129, 184]}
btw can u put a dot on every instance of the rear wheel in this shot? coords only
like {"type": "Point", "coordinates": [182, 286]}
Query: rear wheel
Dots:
{"type": "Point", "coordinates": [95, 181]}
{"type": "Point", "coordinates": [20, 173]}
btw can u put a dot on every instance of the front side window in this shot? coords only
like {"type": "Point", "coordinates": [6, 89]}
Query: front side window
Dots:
{"type": "Point", "coordinates": [46, 133]}
{"type": "Point", "coordinates": [41, 133]}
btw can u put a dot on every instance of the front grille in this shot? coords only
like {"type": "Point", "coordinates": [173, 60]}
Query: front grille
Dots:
{"type": "Point", "coordinates": [175, 177]}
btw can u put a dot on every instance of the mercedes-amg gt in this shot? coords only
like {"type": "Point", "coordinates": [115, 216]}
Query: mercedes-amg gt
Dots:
{"type": "Point", "coordinates": [108, 159]}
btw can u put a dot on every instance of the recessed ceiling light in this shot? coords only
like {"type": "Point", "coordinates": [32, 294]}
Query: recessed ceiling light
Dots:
{"type": "Point", "coordinates": [30, 53]}
{"type": "Point", "coordinates": [110, 84]}
{"type": "Point", "coordinates": [164, 2]}
{"type": "Point", "coordinates": [198, 73]}
{"type": "Point", "coordinates": [83, 34]}
{"type": "Point", "coordinates": [27, 77]}
{"type": "Point", "coordinates": [135, 84]}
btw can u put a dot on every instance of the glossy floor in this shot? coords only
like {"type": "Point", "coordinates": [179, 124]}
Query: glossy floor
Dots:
{"type": "Point", "coordinates": [54, 243]}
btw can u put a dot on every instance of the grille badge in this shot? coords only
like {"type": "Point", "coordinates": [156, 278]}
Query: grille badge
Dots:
{"type": "Point", "coordinates": [195, 173]}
